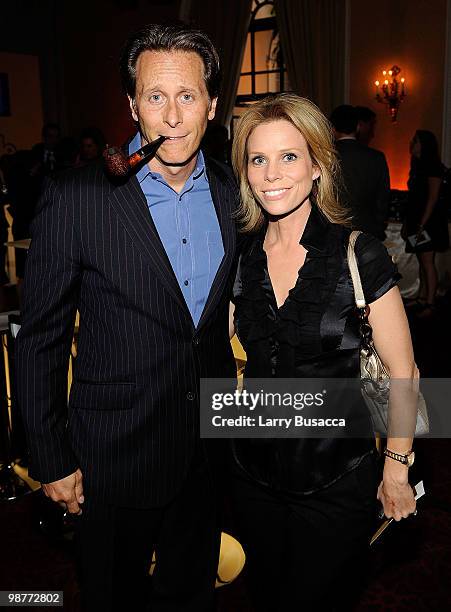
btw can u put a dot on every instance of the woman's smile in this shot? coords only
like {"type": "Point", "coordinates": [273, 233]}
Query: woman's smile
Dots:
{"type": "Point", "coordinates": [280, 170]}
{"type": "Point", "coordinates": [276, 194]}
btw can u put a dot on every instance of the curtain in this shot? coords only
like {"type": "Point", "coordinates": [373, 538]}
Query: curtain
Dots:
{"type": "Point", "coordinates": [227, 24]}
{"type": "Point", "coordinates": [312, 35]}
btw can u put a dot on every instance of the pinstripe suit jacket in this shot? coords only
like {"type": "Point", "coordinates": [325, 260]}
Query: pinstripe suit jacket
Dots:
{"type": "Point", "coordinates": [132, 421]}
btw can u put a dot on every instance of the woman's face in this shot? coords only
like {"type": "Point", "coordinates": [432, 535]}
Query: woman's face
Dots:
{"type": "Point", "coordinates": [279, 168]}
{"type": "Point", "coordinates": [415, 147]}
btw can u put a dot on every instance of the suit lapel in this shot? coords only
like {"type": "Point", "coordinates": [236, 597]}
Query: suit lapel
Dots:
{"type": "Point", "coordinates": [130, 204]}
{"type": "Point", "coordinates": [222, 195]}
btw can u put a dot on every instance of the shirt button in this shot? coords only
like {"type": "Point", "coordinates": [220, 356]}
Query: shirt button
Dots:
{"type": "Point", "coordinates": [186, 282]}
{"type": "Point", "coordinates": [190, 395]}
{"type": "Point", "coordinates": [184, 240]}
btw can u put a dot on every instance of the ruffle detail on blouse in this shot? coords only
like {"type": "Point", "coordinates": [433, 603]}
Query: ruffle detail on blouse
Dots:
{"type": "Point", "coordinates": [296, 322]}
{"type": "Point", "coordinates": [300, 314]}
{"type": "Point", "coordinates": [258, 318]}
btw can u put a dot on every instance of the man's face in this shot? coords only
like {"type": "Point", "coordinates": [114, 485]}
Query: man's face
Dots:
{"type": "Point", "coordinates": [366, 131]}
{"type": "Point", "coordinates": [171, 100]}
{"type": "Point", "coordinates": [51, 138]}
{"type": "Point", "coordinates": [89, 149]}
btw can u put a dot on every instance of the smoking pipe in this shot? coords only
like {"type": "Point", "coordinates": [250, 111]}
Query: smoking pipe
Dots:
{"type": "Point", "coordinates": [118, 164]}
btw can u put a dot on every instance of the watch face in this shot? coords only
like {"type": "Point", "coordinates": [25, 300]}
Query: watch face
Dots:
{"type": "Point", "coordinates": [411, 459]}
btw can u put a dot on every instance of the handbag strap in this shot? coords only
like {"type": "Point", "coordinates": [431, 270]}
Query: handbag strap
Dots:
{"type": "Point", "coordinates": [354, 269]}
{"type": "Point", "coordinates": [366, 331]}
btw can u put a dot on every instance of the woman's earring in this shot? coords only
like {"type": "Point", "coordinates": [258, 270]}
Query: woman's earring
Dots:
{"type": "Point", "coordinates": [315, 187]}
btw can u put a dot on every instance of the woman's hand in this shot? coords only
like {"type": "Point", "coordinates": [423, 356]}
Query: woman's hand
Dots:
{"type": "Point", "coordinates": [392, 340]}
{"type": "Point", "coordinates": [394, 492]}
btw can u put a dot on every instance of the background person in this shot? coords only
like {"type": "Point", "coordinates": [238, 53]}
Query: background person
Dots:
{"type": "Point", "coordinates": [91, 147]}
{"type": "Point", "coordinates": [365, 175]}
{"type": "Point", "coordinates": [366, 124]}
{"type": "Point", "coordinates": [45, 154]}
{"type": "Point", "coordinates": [426, 212]}
{"type": "Point", "coordinates": [305, 507]}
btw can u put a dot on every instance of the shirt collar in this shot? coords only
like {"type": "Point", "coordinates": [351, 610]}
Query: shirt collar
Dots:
{"type": "Point", "coordinates": [145, 171]}
{"type": "Point", "coordinates": [316, 237]}
{"type": "Point", "coordinates": [316, 232]}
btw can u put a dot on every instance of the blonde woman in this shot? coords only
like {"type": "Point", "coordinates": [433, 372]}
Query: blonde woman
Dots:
{"type": "Point", "coordinates": [305, 507]}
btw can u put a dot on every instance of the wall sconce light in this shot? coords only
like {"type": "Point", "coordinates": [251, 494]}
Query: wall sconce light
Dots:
{"type": "Point", "coordinates": [392, 91]}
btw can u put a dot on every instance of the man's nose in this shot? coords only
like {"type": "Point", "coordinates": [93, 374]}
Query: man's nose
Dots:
{"type": "Point", "coordinates": [172, 113]}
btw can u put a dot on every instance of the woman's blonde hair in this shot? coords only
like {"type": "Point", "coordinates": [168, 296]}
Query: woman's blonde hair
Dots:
{"type": "Point", "coordinates": [315, 128]}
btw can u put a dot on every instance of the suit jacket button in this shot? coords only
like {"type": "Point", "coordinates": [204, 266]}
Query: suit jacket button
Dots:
{"type": "Point", "coordinates": [196, 341]}
{"type": "Point", "coordinates": [190, 395]}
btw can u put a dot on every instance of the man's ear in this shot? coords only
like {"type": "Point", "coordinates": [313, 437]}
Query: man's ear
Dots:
{"type": "Point", "coordinates": [132, 104]}
{"type": "Point", "coordinates": [212, 111]}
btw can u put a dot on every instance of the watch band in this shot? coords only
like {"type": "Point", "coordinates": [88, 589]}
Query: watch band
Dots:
{"type": "Point", "coordinates": [398, 456]}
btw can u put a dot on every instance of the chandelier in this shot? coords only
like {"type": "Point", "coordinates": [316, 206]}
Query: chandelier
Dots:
{"type": "Point", "coordinates": [392, 91]}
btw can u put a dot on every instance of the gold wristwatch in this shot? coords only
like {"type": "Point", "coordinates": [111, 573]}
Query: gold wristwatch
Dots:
{"type": "Point", "coordinates": [407, 459]}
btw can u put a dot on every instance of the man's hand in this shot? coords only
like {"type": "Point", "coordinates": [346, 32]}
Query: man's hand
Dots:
{"type": "Point", "coordinates": [67, 492]}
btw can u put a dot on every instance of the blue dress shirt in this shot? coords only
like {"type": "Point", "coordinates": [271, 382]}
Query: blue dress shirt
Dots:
{"type": "Point", "coordinates": [188, 228]}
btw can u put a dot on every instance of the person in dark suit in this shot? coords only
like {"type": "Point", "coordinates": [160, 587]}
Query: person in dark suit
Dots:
{"type": "Point", "coordinates": [366, 124]}
{"type": "Point", "coordinates": [365, 175]}
{"type": "Point", "coordinates": [147, 262]}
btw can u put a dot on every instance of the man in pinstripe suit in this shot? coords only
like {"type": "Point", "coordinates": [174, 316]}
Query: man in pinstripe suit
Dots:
{"type": "Point", "coordinates": [147, 263]}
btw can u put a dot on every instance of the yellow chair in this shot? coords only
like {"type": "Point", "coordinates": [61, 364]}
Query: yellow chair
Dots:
{"type": "Point", "coordinates": [231, 560]}
{"type": "Point", "coordinates": [239, 354]}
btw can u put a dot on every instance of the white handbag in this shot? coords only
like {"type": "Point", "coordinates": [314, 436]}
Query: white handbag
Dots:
{"type": "Point", "coordinates": [375, 378]}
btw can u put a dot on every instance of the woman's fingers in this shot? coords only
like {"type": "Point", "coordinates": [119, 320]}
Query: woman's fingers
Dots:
{"type": "Point", "coordinates": [379, 491]}
{"type": "Point", "coordinates": [398, 501]}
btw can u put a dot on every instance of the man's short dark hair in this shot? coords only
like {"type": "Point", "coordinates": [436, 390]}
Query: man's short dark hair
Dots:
{"type": "Point", "coordinates": [50, 127]}
{"type": "Point", "coordinates": [174, 37]}
{"type": "Point", "coordinates": [365, 114]}
{"type": "Point", "coordinates": [344, 119]}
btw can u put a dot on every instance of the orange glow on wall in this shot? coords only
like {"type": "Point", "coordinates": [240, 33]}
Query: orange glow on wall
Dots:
{"type": "Point", "coordinates": [23, 127]}
{"type": "Point", "coordinates": [392, 92]}
{"type": "Point", "coordinates": [414, 40]}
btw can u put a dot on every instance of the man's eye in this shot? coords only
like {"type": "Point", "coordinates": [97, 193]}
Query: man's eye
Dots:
{"type": "Point", "coordinates": [290, 157]}
{"type": "Point", "coordinates": [155, 98]}
{"type": "Point", "coordinates": [187, 97]}
{"type": "Point", "coordinates": [258, 160]}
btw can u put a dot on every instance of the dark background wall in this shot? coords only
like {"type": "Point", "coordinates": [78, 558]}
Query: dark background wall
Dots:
{"type": "Point", "coordinates": [91, 49]}
{"type": "Point", "coordinates": [22, 94]}
{"type": "Point", "coordinates": [77, 45]}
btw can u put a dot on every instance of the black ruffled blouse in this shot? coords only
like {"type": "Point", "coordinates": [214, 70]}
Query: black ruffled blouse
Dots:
{"type": "Point", "coordinates": [315, 333]}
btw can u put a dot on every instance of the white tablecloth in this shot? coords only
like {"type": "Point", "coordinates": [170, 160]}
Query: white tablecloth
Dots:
{"type": "Point", "coordinates": [408, 264]}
